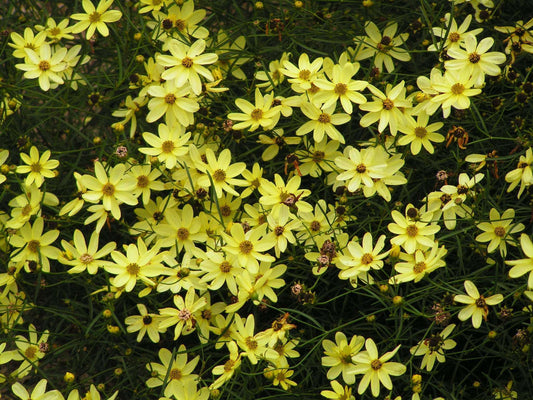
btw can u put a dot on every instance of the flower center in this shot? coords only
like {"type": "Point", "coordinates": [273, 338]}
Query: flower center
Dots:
{"type": "Point", "coordinates": [315, 226]}
{"type": "Point", "coordinates": [411, 230]}
{"type": "Point", "coordinates": [324, 118]}
{"type": "Point", "coordinates": [340, 89]}
{"type": "Point", "coordinates": [26, 210]}
{"type": "Point", "coordinates": [35, 167]}
{"type": "Point", "coordinates": [246, 247]}
{"type": "Point", "coordinates": [86, 258]}
{"type": "Point", "coordinates": [481, 303]}
{"type": "Point", "coordinates": [175, 374]}
{"type": "Point", "coordinates": [142, 181]}
{"type": "Point", "coordinates": [133, 268]}
{"type": "Point", "coordinates": [499, 231]}
{"type": "Point", "coordinates": [167, 146]}
{"type": "Point", "coordinates": [180, 25]}
{"type": "Point", "coordinates": [257, 114]}
{"type": "Point", "coordinates": [454, 37]}
{"type": "Point", "coordinates": [278, 230]}
{"type": "Point", "coordinates": [304, 74]}
{"type": "Point", "coordinates": [458, 88]}
{"type": "Point", "coordinates": [461, 189]}
{"type": "Point", "coordinates": [419, 267]}
{"type": "Point", "coordinates": [183, 234]}
{"type": "Point", "coordinates": [376, 364]}
{"type": "Point", "coordinates": [44, 65]}
{"type": "Point", "coordinates": [228, 365]}
{"type": "Point", "coordinates": [318, 156]}
{"type": "Point", "coordinates": [420, 132]}
{"type": "Point", "coordinates": [94, 17]}
{"type": "Point", "coordinates": [385, 40]}
{"type": "Point", "coordinates": [474, 58]}
{"type": "Point", "coordinates": [251, 343]}
{"type": "Point", "coordinates": [30, 352]}
{"type": "Point", "coordinates": [225, 267]}
{"type": "Point", "coordinates": [170, 98]}
{"type": "Point", "coordinates": [54, 31]}
{"type": "Point", "coordinates": [33, 246]}
{"type": "Point", "coordinates": [187, 62]}
{"type": "Point", "coordinates": [184, 314]}
{"type": "Point", "coordinates": [225, 211]}
{"type": "Point", "coordinates": [147, 320]}
{"type": "Point", "coordinates": [219, 175]}
{"type": "Point", "coordinates": [361, 168]}
{"type": "Point", "coordinates": [388, 104]}
{"type": "Point", "coordinates": [367, 258]}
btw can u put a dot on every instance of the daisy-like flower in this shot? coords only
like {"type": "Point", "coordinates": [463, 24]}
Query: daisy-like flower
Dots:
{"type": "Point", "coordinates": [280, 376]}
{"type": "Point", "coordinates": [280, 194]}
{"type": "Point", "coordinates": [274, 76]}
{"type": "Point", "coordinates": [138, 263]}
{"type": "Point", "coordinates": [281, 223]}
{"type": "Point", "coordinates": [132, 106]}
{"type": "Point", "coordinates": [418, 133]}
{"type": "Point", "coordinates": [341, 88]}
{"type": "Point", "coordinates": [322, 121]}
{"type": "Point", "coordinates": [433, 348]}
{"type": "Point", "coordinates": [303, 76]}
{"type": "Point", "coordinates": [219, 174]}
{"type": "Point", "coordinates": [455, 89]}
{"type": "Point", "coordinates": [91, 394]}
{"type": "Point", "coordinates": [182, 316]}
{"type": "Point", "coordinates": [339, 355]}
{"type": "Point", "coordinates": [412, 233]}
{"type": "Point", "coordinates": [95, 18]}
{"type": "Point", "coordinates": [524, 265]}
{"type": "Point", "coordinates": [383, 47]}
{"type": "Point", "coordinates": [82, 257]}
{"type": "Point", "coordinates": [37, 168]}
{"type": "Point", "coordinates": [220, 269]}
{"type": "Point", "coordinates": [419, 264]}
{"type": "Point", "coordinates": [475, 59]}
{"type": "Point", "coordinates": [376, 369]}
{"type": "Point", "coordinates": [276, 142]}
{"type": "Point", "coordinates": [520, 37]}
{"type": "Point", "coordinates": [253, 345]}
{"type": "Point", "coordinates": [476, 304]}
{"type": "Point", "coordinates": [363, 257]}
{"type": "Point", "coordinates": [169, 147]}
{"type": "Point", "coordinates": [56, 31]}
{"type": "Point", "coordinates": [253, 179]}
{"type": "Point", "coordinates": [147, 180]}
{"type": "Point", "coordinates": [111, 190]}
{"type": "Point", "coordinates": [173, 371]}
{"type": "Point", "coordinates": [4, 154]}
{"type": "Point", "coordinates": [361, 167]}
{"type": "Point", "coordinates": [499, 230]}
{"type": "Point", "coordinates": [28, 41]}
{"type": "Point", "coordinates": [453, 36]}
{"type": "Point", "coordinates": [186, 64]}
{"type": "Point", "coordinates": [263, 114]}
{"type": "Point", "coordinates": [173, 102]}
{"type": "Point", "coordinates": [339, 392]}
{"type": "Point", "coordinates": [38, 393]}
{"type": "Point", "coordinates": [522, 174]}
{"type": "Point", "coordinates": [30, 350]}
{"type": "Point", "coordinates": [144, 323]}
{"type": "Point", "coordinates": [152, 5]}
{"type": "Point", "coordinates": [34, 246]}
{"type": "Point", "coordinates": [318, 157]}
{"type": "Point", "coordinates": [227, 370]}
{"type": "Point", "coordinates": [47, 65]}
{"type": "Point", "coordinates": [386, 107]}
{"type": "Point", "coordinates": [182, 229]}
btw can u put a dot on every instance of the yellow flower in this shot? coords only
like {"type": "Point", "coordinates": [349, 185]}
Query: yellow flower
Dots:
{"type": "Point", "coordinates": [361, 167]}
{"type": "Point", "coordinates": [227, 370]}
{"type": "Point", "coordinates": [387, 108]}
{"type": "Point", "coordinates": [522, 174]}
{"type": "Point", "coordinates": [412, 233]}
{"type": "Point", "coordinates": [339, 355]}
{"type": "Point", "coordinates": [433, 348]}
{"type": "Point", "coordinates": [498, 231]}
{"type": "Point", "coordinates": [363, 257]}
{"type": "Point", "coordinates": [129, 113]}
{"type": "Point", "coordinates": [281, 223]}
{"type": "Point", "coordinates": [455, 89]}
{"type": "Point", "coordinates": [83, 257]}
{"type": "Point", "coordinates": [30, 350]}
{"type": "Point", "coordinates": [144, 323]}
{"type": "Point", "coordinates": [524, 265]}
{"type": "Point", "coordinates": [418, 133]}
{"type": "Point", "coordinates": [281, 377]}
{"type": "Point", "coordinates": [454, 36]}
{"type": "Point", "coordinates": [28, 42]}
{"type": "Point", "coordinates": [219, 269]}
{"type": "Point", "coordinates": [280, 194]}
{"type": "Point", "coordinates": [95, 18]}
{"type": "Point", "coordinates": [274, 76]}
{"type": "Point", "coordinates": [147, 180]}
{"type": "Point", "coordinates": [318, 157]}
{"type": "Point", "coordinates": [169, 147]}
{"type": "Point", "coordinates": [339, 392]}
{"type": "Point", "coordinates": [477, 304]}
{"type": "Point", "coordinates": [262, 114]}
{"type": "Point", "coordinates": [322, 122]}
{"type": "Point", "coordinates": [376, 369]}
{"type": "Point", "coordinates": [173, 102]}
{"type": "Point", "coordinates": [419, 264]}
{"type": "Point", "coordinates": [276, 142]}
{"type": "Point", "coordinates": [37, 167]}
{"type": "Point", "coordinates": [182, 316]}
{"type": "Point", "coordinates": [182, 229]}
{"type": "Point", "coordinates": [38, 393]}
{"type": "Point", "coordinates": [152, 5]}
{"type": "Point", "coordinates": [303, 76]}
{"type": "Point", "coordinates": [55, 31]}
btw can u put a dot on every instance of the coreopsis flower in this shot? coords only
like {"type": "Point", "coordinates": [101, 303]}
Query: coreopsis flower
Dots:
{"type": "Point", "coordinates": [139, 263]}
{"type": "Point", "coordinates": [152, 5]}
{"type": "Point", "coordinates": [318, 157]}
{"type": "Point", "coordinates": [453, 35]}
{"type": "Point", "coordinates": [251, 344]}
{"type": "Point", "coordinates": [276, 142]}
{"type": "Point", "coordinates": [56, 31]}
{"type": "Point", "coordinates": [112, 189]}
{"type": "Point", "coordinates": [173, 371]}
{"type": "Point", "coordinates": [339, 392]}
{"type": "Point", "coordinates": [455, 89]}
{"type": "Point", "coordinates": [524, 265]}
{"type": "Point", "coordinates": [182, 315]}
{"type": "Point", "coordinates": [499, 230]}
{"type": "Point", "coordinates": [144, 323]}
{"type": "Point", "coordinates": [360, 258]}
{"type": "Point", "coordinates": [475, 4]}
{"type": "Point", "coordinates": [170, 146]}
{"type": "Point", "coordinates": [227, 370]}
{"type": "Point", "coordinates": [341, 88]}
{"type": "Point", "coordinates": [418, 133]}
{"type": "Point", "coordinates": [315, 223]}
{"type": "Point", "coordinates": [416, 266]}
{"type": "Point", "coordinates": [147, 180]}
{"type": "Point", "coordinates": [475, 59]}
{"type": "Point", "coordinates": [383, 47]}
{"type": "Point", "coordinates": [522, 174]}
{"type": "Point", "coordinates": [386, 107]}
{"type": "Point", "coordinates": [33, 246]}
{"type": "Point", "coordinates": [280, 376]}
{"type": "Point", "coordinates": [173, 102]}
{"type": "Point", "coordinates": [30, 350]}
{"type": "Point", "coordinates": [91, 394]}
{"type": "Point", "coordinates": [520, 37]}
{"type": "Point", "coordinates": [181, 230]}
{"type": "Point", "coordinates": [281, 224]}
{"type": "Point", "coordinates": [37, 168]}
{"type": "Point", "coordinates": [263, 114]}
{"type": "Point", "coordinates": [72, 60]}
{"type": "Point", "coordinates": [38, 393]}
{"type": "Point", "coordinates": [361, 167]}
{"type": "Point", "coordinates": [280, 194]}
{"type": "Point", "coordinates": [253, 179]}
{"type": "Point", "coordinates": [322, 121]}
{"type": "Point", "coordinates": [433, 348]}
{"type": "Point", "coordinates": [376, 369]}
{"type": "Point", "coordinates": [230, 54]}
{"type": "Point", "coordinates": [186, 64]}
{"type": "Point", "coordinates": [303, 76]}
{"type": "Point", "coordinates": [129, 113]}
{"type": "Point", "coordinates": [274, 76]}
{"type": "Point", "coordinates": [339, 355]}
{"type": "Point", "coordinates": [95, 18]}
{"type": "Point", "coordinates": [46, 65]}
{"type": "Point", "coordinates": [476, 304]}
{"type": "Point", "coordinates": [29, 41]}
{"type": "Point", "coordinates": [82, 257]}
{"type": "Point", "coordinates": [411, 233]}
{"type": "Point", "coordinates": [27, 204]}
